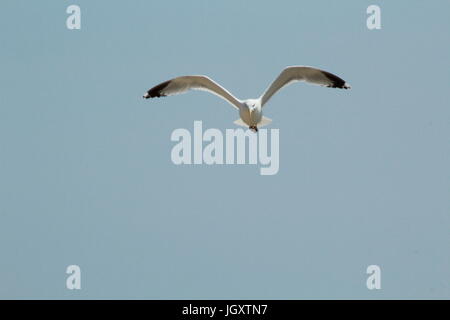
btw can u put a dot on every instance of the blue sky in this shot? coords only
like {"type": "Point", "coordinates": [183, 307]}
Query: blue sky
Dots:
{"type": "Point", "coordinates": [86, 175]}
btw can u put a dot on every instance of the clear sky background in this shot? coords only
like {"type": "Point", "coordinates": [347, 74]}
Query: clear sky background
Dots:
{"type": "Point", "coordinates": [86, 176]}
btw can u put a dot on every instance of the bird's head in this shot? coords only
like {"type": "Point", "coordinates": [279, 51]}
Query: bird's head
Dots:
{"type": "Point", "coordinates": [252, 104]}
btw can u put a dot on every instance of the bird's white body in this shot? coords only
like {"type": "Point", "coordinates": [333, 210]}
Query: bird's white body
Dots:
{"type": "Point", "coordinates": [250, 110]}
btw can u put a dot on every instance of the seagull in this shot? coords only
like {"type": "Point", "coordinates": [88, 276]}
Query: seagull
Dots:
{"type": "Point", "coordinates": [250, 110]}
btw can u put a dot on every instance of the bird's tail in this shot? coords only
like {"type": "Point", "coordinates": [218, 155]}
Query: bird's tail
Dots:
{"type": "Point", "coordinates": [264, 122]}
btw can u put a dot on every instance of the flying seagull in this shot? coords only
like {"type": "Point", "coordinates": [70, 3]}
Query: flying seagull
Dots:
{"type": "Point", "coordinates": [250, 110]}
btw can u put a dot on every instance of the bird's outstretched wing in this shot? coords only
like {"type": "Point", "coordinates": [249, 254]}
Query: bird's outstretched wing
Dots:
{"type": "Point", "coordinates": [182, 84]}
{"type": "Point", "coordinates": [302, 73]}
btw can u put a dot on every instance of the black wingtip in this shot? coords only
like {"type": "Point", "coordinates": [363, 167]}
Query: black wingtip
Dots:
{"type": "Point", "coordinates": [344, 86]}
{"type": "Point", "coordinates": [336, 82]}
{"type": "Point", "coordinates": [156, 91]}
